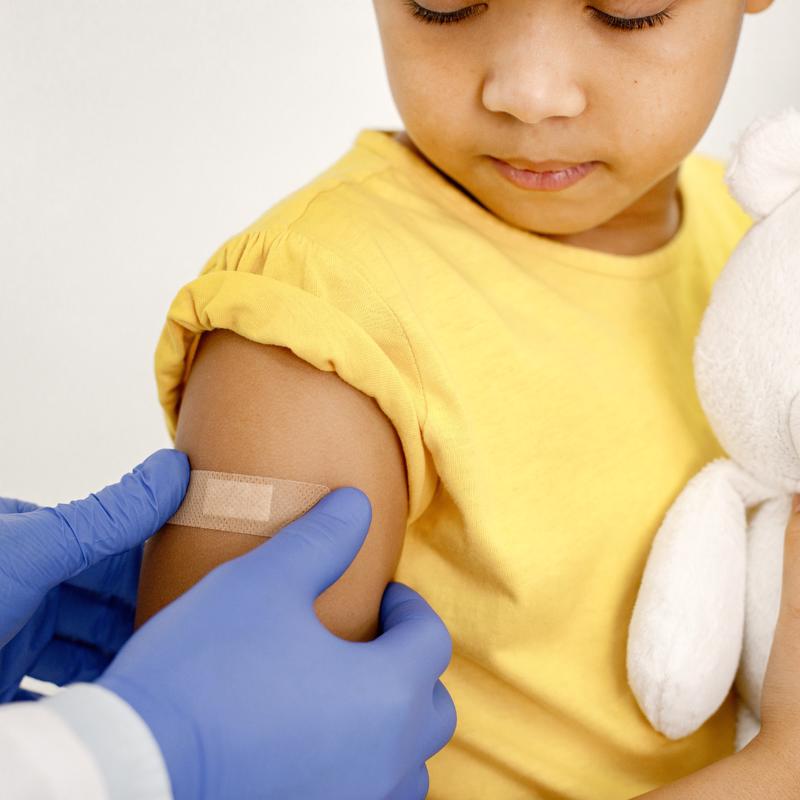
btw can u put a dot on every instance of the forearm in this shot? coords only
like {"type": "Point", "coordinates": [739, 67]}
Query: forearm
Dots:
{"type": "Point", "coordinates": [754, 772]}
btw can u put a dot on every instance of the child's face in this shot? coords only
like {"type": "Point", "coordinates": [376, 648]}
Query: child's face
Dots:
{"type": "Point", "coordinates": [548, 80]}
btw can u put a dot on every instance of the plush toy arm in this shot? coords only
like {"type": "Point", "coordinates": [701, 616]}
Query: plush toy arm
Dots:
{"type": "Point", "coordinates": [685, 635]}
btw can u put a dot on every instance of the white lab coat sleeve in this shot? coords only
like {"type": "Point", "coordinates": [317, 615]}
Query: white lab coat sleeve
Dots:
{"type": "Point", "coordinates": [41, 758]}
{"type": "Point", "coordinates": [83, 742]}
{"type": "Point", "coordinates": [123, 747]}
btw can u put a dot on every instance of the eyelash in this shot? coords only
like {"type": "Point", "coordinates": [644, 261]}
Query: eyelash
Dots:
{"type": "Point", "coordinates": [636, 23]}
{"type": "Point", "coordinates": [620, 23]}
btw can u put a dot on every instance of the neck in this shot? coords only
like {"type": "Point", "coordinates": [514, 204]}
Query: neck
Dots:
{"type": "Point", "coordinates": [647, 225]}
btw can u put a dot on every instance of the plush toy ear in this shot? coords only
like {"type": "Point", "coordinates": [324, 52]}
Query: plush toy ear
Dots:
{"type": "Point", "coordinates": [685, 635]}
{"type": "Point", "coordinates": [765, 167]}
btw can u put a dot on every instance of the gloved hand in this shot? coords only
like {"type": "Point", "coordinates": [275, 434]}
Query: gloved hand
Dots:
{"type": "Point", "coordinates": [69, 573]}
{"type": "Point", "coordinates": [249, 695]}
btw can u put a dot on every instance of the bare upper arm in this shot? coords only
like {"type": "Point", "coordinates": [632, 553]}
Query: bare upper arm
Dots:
{"type": "Point", "coordinates": [260, 410]}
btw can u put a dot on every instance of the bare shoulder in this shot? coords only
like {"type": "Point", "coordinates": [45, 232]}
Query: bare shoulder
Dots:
{"type": "Point", "coordinates": [283, 413]}
{"type": "Point", "coordinates": [259, 409]}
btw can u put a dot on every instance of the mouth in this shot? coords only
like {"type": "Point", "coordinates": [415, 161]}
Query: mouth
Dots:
{"type": "Point", "coordinates": [543, 175]}
{"type": "Point", "coordinates": [540, 166]}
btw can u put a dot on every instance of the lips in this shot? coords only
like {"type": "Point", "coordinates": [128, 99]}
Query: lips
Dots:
{"type": "Point", "coordinates": [547, 180]}
{"type": "Point", "coordinates": [541, 166]}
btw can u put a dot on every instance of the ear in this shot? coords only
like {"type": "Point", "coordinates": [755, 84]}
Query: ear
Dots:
{"type": "Point", "coordinates": [754, 6]}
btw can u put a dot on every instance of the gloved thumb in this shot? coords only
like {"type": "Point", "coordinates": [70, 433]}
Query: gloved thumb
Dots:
{"type": "Point", "coordinates": [67, 538]}
{"type": "Point", "coordinates": [313, 551]}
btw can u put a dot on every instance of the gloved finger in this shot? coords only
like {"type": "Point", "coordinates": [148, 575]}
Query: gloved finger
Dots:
{"type": "Point", "coordinates": [312, 552]}
{"type": "Point", "coordinates": [24, 695]}
{"type": "Point", "coordinates": [115, 576]}
{"type": "Point", "coordinates": [63, 662]}
{"type": "Point", "coordinates": [414, 786]}
{"type": "Point", "coordinates": [64, 540]}
{"type": "Point", "coordinates": [104, 623]}
{"type": "Point", "coordinates": [414, 636]}
{"type": "Point", "coordinates": [8, 694]}
{"type": "Point", "coordinates": [9, 505]}
{"type": "Point", "coordinates": [442, 724]}
{"type": "Point", "coordinates": [21, 651]}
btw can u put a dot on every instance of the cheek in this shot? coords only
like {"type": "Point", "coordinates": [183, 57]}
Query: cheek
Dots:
{"type": "Point", "coordinates": [702, 66]}
{"type": "Point", "coordinates": [434, 95]}
{"type": "Point", "coordinates": [413, 72]}
{"type": "Point", "coordinates": [661, 99]}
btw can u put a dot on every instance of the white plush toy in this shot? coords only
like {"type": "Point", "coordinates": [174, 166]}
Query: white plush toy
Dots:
{"type": "Point", "coordinates": [708, 604]}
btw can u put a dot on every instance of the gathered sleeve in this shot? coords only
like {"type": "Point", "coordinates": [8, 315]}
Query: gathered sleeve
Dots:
{"type": "Point", "coordinates": [278, 287]}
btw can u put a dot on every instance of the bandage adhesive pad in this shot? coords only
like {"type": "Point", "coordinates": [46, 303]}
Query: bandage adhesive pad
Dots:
{"type": "Point", "coordinates": [227, 501]}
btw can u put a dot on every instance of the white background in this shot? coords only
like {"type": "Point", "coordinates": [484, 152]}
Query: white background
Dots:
{"type": "Point", "coordinates": [134, 138]}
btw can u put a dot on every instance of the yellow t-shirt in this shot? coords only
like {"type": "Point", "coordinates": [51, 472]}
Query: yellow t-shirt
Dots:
{"type": "Point", "coordinates": [544, 398]}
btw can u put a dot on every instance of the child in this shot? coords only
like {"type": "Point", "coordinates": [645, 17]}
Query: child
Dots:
{"type": "Point", "coordinates": [500, 359]}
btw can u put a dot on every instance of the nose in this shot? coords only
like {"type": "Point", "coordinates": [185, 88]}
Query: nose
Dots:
{"type": "Point", "coordinates": [533, 78]}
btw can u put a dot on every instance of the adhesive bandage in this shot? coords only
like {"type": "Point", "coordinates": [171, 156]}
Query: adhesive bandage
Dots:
{"type": "Point", "coordinates": [226, 501]}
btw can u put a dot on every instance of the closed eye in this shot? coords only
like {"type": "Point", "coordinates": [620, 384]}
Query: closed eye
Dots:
{"type": "Point", "coordinates": [620, 23]}
{"type": "Point", "coordinates": [631, 23]}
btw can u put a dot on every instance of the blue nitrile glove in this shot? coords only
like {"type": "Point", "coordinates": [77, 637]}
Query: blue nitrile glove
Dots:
{"type": "Point", "coordinates": [250, 696]}
{"type": "Point", "coordinates": [69, 573]}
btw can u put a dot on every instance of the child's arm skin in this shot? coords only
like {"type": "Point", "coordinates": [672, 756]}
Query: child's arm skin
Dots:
{"type": "Point", "coordinates": [757, 772]}
{"type": "Point", "coordinates": [260, 410]}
